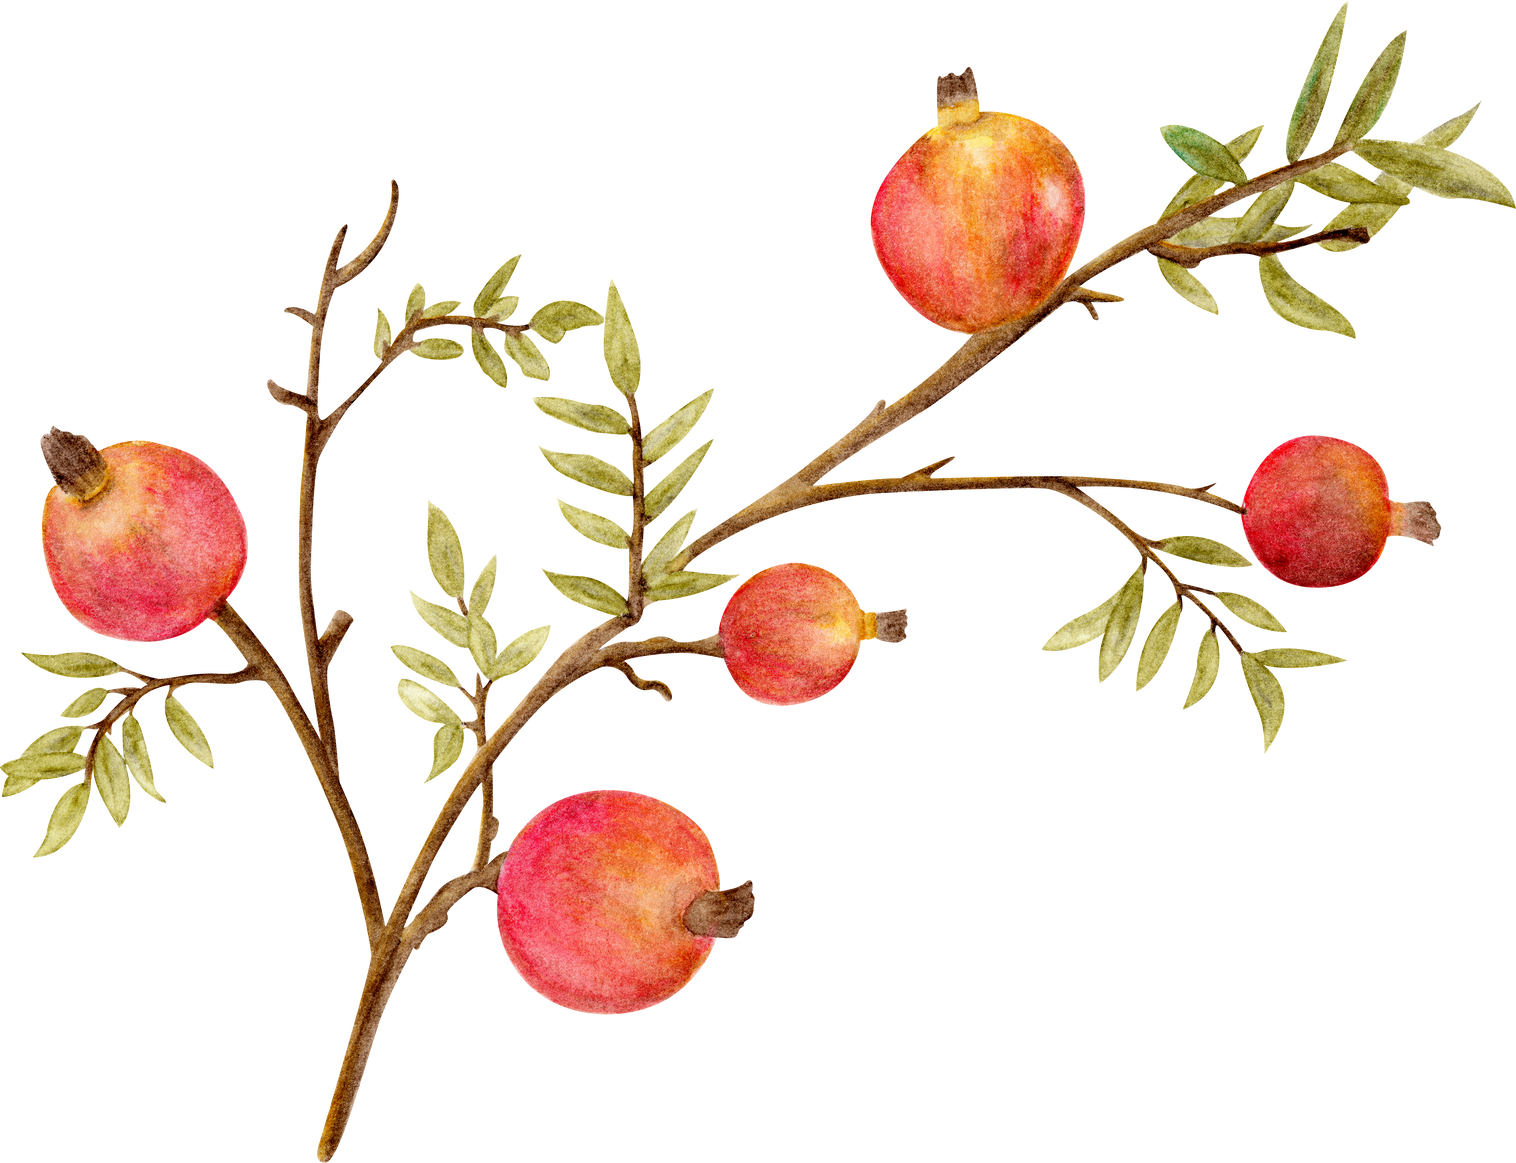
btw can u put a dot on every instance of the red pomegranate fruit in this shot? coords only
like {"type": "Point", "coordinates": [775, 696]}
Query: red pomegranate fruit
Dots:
{"type": "Point", "coordinates": [1318, 512]}
{"type": "Point", "coordinates": [791, 633]}
{"type": "Point", "coordinates": [977, 223]}
{"type": "Point", "coordinates": [609, 902]}
{"type": "Point", "coordinates": [142, 541]}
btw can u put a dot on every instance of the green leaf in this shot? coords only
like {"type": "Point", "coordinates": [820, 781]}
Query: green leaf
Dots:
{"type": "Point", "coordinates": [426, 666]}
{"type": "Point", "coordinates": [423, 702]}
{"type": "Point", "coordinates": [595, 527]}
{"type": "Point", "coordinates": [592, 471]}
{"type": "Point", "coordinates": [519, 653]}
{"type": "Point", "coordinates": [1437, 171]}
{"type": "Point", "coordinates": [85, 703]}
{"type": "Point", "coordinates": [491, 290]}
{"type": "Point", "coordinates": [415, 302]}
{"type": "Point", "coordinates": [525, 353]}
{"type": "Point", "coordinates": [1187, 285]}
{"type": "Point", "coordinates": [186, 730]}
{"type": "Point", "coordinates": [382, 337]}
{"type": "Point", "coordinates": [58, 739]}
{"type": "Point", "coordinates": [1085, 628]}
{"type": "Point", "coordinates": [622, 358]}
{"type": "Point", "coordinates": [1156, 648]}
{"type": "Point", "coordinates": [447, 745]}
{"type": "Point", "coordinates": [588, 592]}
{"type": "Point", "coordinates": [1373, 95]}
{"type": "Point", "coordinates": [1203, 154]}
{"type": "Point", "coordinates": [1121, 628]}
{"type": "Point", "coordinates": [1370, 215]}
{"type": "Point", "coordinates": [64, 821]}
{"type": "Point", "coordinates": [1313, 94]}
{"type": "Point", "coordinates": [484, 586]}
{"type": "Point", "coordinates": [438, 349]}
{"type": "Point", "coordinates": [684, 584]}
{"type": "Point", "coordinates": [1262, 214]}
{"type": "Point", "coordinates": [44, 765]}
{"type": "Point", "coordinates": [1212, 231]}
{"type": "Point", "coordinates": [590, 417]}
{"type": "Point", "coordinates": [1347, 185]}
{"type": "Point", "coordinates": [481, 642]}
{"type": "Point", "coordinates": [1449, 131]}
{"type": "Point", "coordinates": [1268, 697]}
{"type": "Point", "coordinates": [73, 665]}
{"type": "Point", "coordinates": [1295, 304]}
{"type": "Point", "coordinates": [1250, 612]}
{"type": "Point", "coordinates": [134, 746]}
{"type": "Point", "coordinates": [111, 781]}
{"type": "Point", "coordinates": [1202, 549]}
{"type": "Point", "coordinates": [488, 358]}
{"type": "Point", "coordinates": [669, 544]}
{"type": "Point", "coordinates": [663, 438]}
{"type": "Point", "coordinates": [552, 321]}
{"type": "Point", "coordinates": [1198, 189]}
{"type": "Point", "coordinates": [1286, 656]}
{"type": "Point", "coordinates": [444, 551]}
{"type": "Point", "coordinates": [502, 309]}
{"type": "Point", "coordinates": [1207, 664]}
{"type": "Point", "coordinates": [662, 495]}
{"type": "Point", "coordinates": [438, 310]}
{"type": "Point", "coordinates": [1278, 233]}
{"type": "Point", "coordinates": [449, 623]}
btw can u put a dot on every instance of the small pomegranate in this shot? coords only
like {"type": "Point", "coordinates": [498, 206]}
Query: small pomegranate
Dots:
{"type": "Point", "coordinates": [977, 223]}
{"type": "Point", "coordinates": [791, 633]}
{"type": "Point", "coordinates": [143, 541]}
{"type": "Point", "coordinates": [1319, 512]}
{"type": "Point", "coordinates": [608, 902]}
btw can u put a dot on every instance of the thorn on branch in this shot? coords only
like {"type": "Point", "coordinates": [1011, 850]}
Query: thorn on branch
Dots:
{"type": "Point", "coordinates": [293, 399]}
{"type": "Point", "coordinates": [929, 469]}
{"type": "Point", "coordinates": [643, 684]}
{"type": "Point", "coordinates": [332, 636]}
{"type": "Point", "coordinates": [1206, 488]}
{"type": "Point", "coordinates": [301, 313]}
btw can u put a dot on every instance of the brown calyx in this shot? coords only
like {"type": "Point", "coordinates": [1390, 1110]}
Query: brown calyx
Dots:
{"type": "Point", "coordinates": [75, 463]}
{"type": "Point", "coordinates": [1415, 519]}
{"type": "Point", "coordinates": [720, 914]}
{"type": "Point", "coordinates": [957, 99]}
{"type": "Point", "coordinates": [889, 625]}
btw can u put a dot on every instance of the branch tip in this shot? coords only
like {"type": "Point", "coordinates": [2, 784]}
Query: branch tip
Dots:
{"type": "Point", "coordinates": [332, 636]}
{"type": "Point", "coordinates": [293, 399]}
{"type": "Point", "coordinates": [301, 313]}
{"type": "Point", "coordinates": [643, 684]}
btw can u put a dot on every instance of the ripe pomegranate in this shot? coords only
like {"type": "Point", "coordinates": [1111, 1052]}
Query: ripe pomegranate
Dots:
{"type": "Point", "coordinates": [143, 541]}
{"type": "Point", "coordinates": [791, 633]}
{"type": "Point", "coordinates": [608, 902]}
{"type": "Point", "coordinates": [977, 223]}
{"type": "Point", "coordinates": [1318, 512]}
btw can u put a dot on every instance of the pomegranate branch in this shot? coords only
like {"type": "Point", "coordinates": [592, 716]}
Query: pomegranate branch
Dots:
{"type": "Point", "coordinates": [1193, 256]}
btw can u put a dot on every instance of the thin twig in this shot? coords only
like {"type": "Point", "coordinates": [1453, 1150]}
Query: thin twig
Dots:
{"type": "Point", "coordinates": [1193, 256]}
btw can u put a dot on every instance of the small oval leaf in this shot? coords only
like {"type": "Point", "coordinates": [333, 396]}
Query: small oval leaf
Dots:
{"type": "Point", "coordinates": [622, 359]}
{"type": "Point", "coordinates": [1156, 648]}
{"type": "Point", "coordinates": [426, 666]}
{"type": "Point", "coordinates": [85, 703]}
{"type": "Point", "coordinates": [438, 310]}
{"type": "Point", "coordinates": [1268, 697]}
{"type": "Point", "coordinates": [1373, 95]}
{"type": "Point", "coordinates": [488, 359]}
{"type": "Point", "coordinates": [590, 417]}
{"type": "Point", "coordinates": [1313, 94]}
{"type": "Point", "coordinates": [481, 642]}
{"type": "Point", "coordinates": [426, 704]}
{"type": "Point", "coordinates": [134, 748]}
{"type": "Point", "coordinates": [447, 745]}
{"type": "Point", "coordinates": [662, 495]}
{"type": "Point", "coordinates": [382, 336]}
{"type": "Point", "coordinates": [588, 592]}
{"type": "Point", "coordinates": [1203, 153]}
{"type": "Point", "coordinates": [112, 782]}
{"type": "Point", "coordinates": [684, 584]}
{"type": "Point", "coordinates": [1250, 611]}
{"type": "Point", "coordinates": [484, 587]}
{"type": "Point", "coordinates": [525, 353]}
{"type": "Point", "coordinates": [64, 821]}
{"type": "Point", "coordinates": [414, 302]}
{"type": "Point", "coordinates": [438, 349]}
{"type": "Point", "coordinates": [1202, 549]}
{"type": "Point", "coordinates": [444, 551]}
{"type": "Point", "coordinates": [491, 290]}
{"type": "Point", "coordinates": [1122, 626]}
{"type": "Point", "coordinates": [663, 438]}
{"type": "Point", "coordinates": [552, 321]}
{"type": "Point", "coordinates": [1187, 285]}
{"type": "Point", "coordinates": [449, 623]}
{"type": "Point", "coordinates": [595, 527]}
{"type": "Point", "coordinates": [73, 665]}
{"type": "Point", "coordinates": [1289, 656]}
{"type": "Point", "coordinates": [1295, 304]}
{"type": "Point", "coordinates": [186, 730]}
{"type": "Point", "coordinates": [519, 653]}
{"type": "Point", "coordinates": [590, 470]}
{"type": "Point", "coordinates": [1207, 664]}
{"type": "Point", "coordinates": [502, 309]}
{"type": "Point", "coordinates": [1085, 628]}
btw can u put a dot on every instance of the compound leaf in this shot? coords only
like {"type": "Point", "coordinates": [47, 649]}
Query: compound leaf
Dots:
{"type": "Point", "coordinates": [64, 821]}
{"type": "Point", "coordinates": [134, 748]}
{"type": "Point", "coordinates": [1202, 549]}
{"type": "Point", "coordinates": [1121, 628]}
{"type": "Point", "coordinates": [73, 665]}
{"type": "Point", "coordinates": [664, 437]}
{"type": "Point", "coordinates": [1207, 665]}
{"type": "Point", "coordinates": [1373, 95]}
{"type": "Point", "coordinates": [1156, 648]}
{"type": "Point", "coordinates": [669, 544]}
{"type": "Point", "coordinates": [1295, 304]}
{"type": "Point", "coordinates": [595, 527]}
{"type": "Point", "coordinates": [186, 730]}
{"type": "Point", "coordinates": [622, 359]}
{"type": "Point", "coordinates": [590, 417]}
{"type": "Point", "coordinates": [519, 653]}
{"type": "Point", "coordinates": [662, 495]}
{"type": "Point", "coordinates": [1268, 697]}
{"type": "Point", "coordinates": [1313, 94]}
{"type": "Point", "coordinates": [449, 623]}
{"type": "Point", "coordinates": [1203, 154]}
{"type": "Point", "coordinates": [426, 666]}
{"type": "Point", "coordinates": [426, 704]}
{"type": "Point", "coordinates": [444, 551]}
{"type": "Point", "coordinates": [1250, 611]}
{"type": "Point", "coordinates": [592, 471]}
{"type": "Point", "coordinates": [1437, 171]}
{"type": "Point", "coordinates": [111, 780]}
{"type": "Point", "coordinates": [588, 592]}
{"type": "Point", "coordinates": [1187, 285]}
{"type": "Point", "coordinates": [684, 584]}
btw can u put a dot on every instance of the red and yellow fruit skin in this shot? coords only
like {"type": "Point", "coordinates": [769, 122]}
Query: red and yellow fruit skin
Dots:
{"type": "Point", "coordinates": [592, 899]}
{"type": "Point", "coordinates": [977, 222]}
{"type": "Point", "coordinates": [791, 633]}
{"type": "Point", "coordinates": [154, 553]}
{"type": "Point", "coordinates": [1318, 511]}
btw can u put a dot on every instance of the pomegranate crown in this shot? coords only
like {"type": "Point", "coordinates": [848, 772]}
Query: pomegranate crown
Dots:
{"type": "Point", "coordinates": [954, 88]}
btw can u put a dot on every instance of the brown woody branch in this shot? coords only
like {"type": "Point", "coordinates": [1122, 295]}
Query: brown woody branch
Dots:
{"type": "Point", "coordinates": [1193, 256]}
